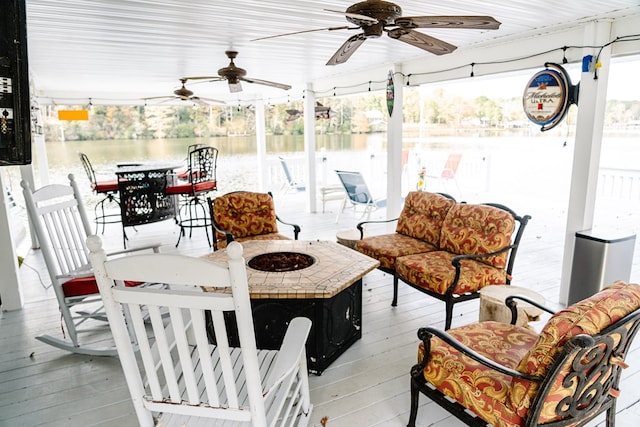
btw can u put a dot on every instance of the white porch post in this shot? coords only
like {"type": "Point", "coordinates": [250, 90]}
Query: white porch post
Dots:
{"type": "Point", "coordinates": [586, 154]}
{"type": "Point", "coordinates": [261, 145]}
{"type": "Point", "coordinates": [10, 287]}
{"type": "Point", "coordinates": [394, 147]}
{"type": "Point", "coordinates": [310, 146]}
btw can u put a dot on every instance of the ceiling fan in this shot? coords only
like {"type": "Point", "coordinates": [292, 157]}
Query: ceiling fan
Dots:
{"type": "Point", "coordinates": [374, 17]}
{"type": "Point", "coordinates": [187, 95]}
{"type": "Point", "coordinates": [233, 74]}
{"type": "Point", "coordinates": [321, 112]}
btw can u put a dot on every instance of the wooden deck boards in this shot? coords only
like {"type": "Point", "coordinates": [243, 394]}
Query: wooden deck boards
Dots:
{"type": "Point", "coordinates": [367, 386]}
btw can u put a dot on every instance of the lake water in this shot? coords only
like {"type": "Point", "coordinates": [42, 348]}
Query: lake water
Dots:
{"type": "Point", "coordinates": [530, 167]}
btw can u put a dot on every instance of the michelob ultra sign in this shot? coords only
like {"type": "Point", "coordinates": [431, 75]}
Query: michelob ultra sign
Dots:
{"type": "Point", "coordinates": [548, 96]}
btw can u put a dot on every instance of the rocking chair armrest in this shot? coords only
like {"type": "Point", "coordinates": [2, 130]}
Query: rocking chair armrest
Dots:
{"type": "Point", "coordinates": [76, 273]}
{"type": "Point", "coordinates": [360, 225]}
{"type": "Point", "coordinates": [426, 333]}
{"type": "Point", "coordinates": [155, 247]}
{"type": "Point", "coordinates": [296, 227]}
{"type": "Point", "coordinates": [290, 353]}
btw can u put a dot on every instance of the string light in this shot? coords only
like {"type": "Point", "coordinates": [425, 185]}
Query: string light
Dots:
{"type": "Point", "coordinates": [335, 89]}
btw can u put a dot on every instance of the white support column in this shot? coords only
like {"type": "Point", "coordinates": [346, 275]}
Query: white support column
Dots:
{"type": "Point", "coordinates": [394, 148]}
{"type": "Point", "coordinates": [10, 287]}
{"type": "Point", "coordinates": [310, 147]}
{"type": "Point", "coordinates": [586, 154]}
{"type": "Point", "coordinates": [261, 145]}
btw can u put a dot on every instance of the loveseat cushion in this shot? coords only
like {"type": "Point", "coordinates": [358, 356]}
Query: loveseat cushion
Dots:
{"type": "Point", "coordinates": [434, 272]}
{"type": "Point", "coordinates": [245, 214]}
{"type": "Point", "coordinates": [478, 229]}
{"type": "Point", "coordinates": [386, 248]}
{"type": "Point", "coordinates": [482, 390]}
{"type": "Point", "coordinates": [422, 216]}
{"type": "Point", "coordinates": [589, 316]}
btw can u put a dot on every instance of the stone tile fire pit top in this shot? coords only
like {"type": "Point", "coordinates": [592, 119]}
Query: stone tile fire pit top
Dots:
{"type": "Point", "coordinates": [335, 268]}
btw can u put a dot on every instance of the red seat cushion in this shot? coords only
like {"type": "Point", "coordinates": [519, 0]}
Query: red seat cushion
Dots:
{"type": "Point", "coordinates": [80, 286]}
{"type": "Point", "coordinates": [189, 189]}
{"type": "Point", "coordinates": [105, 186]}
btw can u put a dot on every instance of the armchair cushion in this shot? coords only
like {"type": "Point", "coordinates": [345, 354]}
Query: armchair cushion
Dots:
{"type": "Point", "coordinates": [476, 230]}
{"type": "Point", "coordinates": [482, 390]}
{"type": "Point", "coordinates": [422, 216]}
{"type": "Point", "coordinates": [435, 273]}
{"type": "Point", "coordinates": [245, 214]}
{"type": "Point", "coordinates": [589, 316]}
{"type": "Point", "coordinates": [271, 236]}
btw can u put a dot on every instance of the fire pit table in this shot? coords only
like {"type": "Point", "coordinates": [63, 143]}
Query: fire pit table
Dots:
{"type": "Point", "coordinates": [320, 280]}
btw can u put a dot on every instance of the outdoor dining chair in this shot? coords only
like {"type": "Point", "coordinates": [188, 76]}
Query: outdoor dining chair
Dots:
{"type": "Point", "coordinates": [61, 226]}
{"type": "Point", "coordinates": [178, 375]}
{"type": "Point", "coordinates": [201, 179]}
{"type": "Point", "coordinates": [106, 188]}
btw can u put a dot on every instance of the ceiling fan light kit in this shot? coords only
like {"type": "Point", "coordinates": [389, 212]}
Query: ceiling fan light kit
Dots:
{"type": "Point", "coordinates": [234, 75]}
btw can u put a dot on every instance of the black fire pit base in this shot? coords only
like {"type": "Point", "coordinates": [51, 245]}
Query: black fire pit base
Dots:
{"type": "Point", "coordinates": [337, 324]}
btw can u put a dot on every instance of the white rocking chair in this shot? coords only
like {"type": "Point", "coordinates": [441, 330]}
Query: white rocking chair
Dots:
{"type": "Point", "coordinates": [61, 226]}
{"type": "Point", "coordinates": [179, 375]}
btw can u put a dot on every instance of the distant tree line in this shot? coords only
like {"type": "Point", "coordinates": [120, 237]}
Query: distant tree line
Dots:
{"type": "Point", "coordinates": [349, 114]}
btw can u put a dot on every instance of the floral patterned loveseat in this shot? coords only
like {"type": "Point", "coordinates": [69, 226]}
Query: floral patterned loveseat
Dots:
{"type": "Point", "coordinates": [245, 215]}
{"type": "Point", "coordinates": [446, 249]}
{"type": "Point", "coordinates": [507, 375]}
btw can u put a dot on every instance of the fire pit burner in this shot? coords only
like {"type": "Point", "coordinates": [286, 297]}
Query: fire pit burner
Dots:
{"type": "Point", "coordinates": [281, 261]}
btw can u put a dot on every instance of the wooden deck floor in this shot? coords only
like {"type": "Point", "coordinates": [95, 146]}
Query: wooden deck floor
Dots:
{"type": "Point", "coordinates": [367, 386]}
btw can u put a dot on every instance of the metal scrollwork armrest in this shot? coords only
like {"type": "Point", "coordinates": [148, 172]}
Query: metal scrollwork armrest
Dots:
{"type": "Point", "coordinates": [511, 302]}
{"type": "Point", "coordinates": [296, 227]}
{"type": "Point", "coordinates": [425, 334]}
{"type": "Point", "coordinates": [360, 225]}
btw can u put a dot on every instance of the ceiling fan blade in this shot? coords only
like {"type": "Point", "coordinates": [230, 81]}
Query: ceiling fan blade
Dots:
{"type": "Point", "coordinates": [210, 78]}
{"type": "Point", "coordinates": [344, 27]}
{"type": "Point", "coordinates": [355, 16]}
{"type": "Point", "coordinates": [475, 22]}
{"type": "Point", "coordinates": [205, 101]}
{"type": "Point", "coordinates": [265, 82]}
{"type": "Point", "coordinates": [346, 50]}
{"type": "Point", "coordinates": [235, 87]}
{"type": "Point", "coordinates": [423, 41]}
{"type": "Point", "coordinates": [159, 97]}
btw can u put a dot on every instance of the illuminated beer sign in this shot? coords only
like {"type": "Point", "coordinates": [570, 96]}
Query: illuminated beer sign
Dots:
{"type": "Point", "coordinates": [547, 97]}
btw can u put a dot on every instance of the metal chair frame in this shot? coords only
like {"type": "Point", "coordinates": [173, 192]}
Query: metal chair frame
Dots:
{"type": "Point", "coordinates": [109, 189]}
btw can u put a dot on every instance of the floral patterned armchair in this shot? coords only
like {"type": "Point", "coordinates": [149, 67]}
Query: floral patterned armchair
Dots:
{"type": "Point", "coordinates": [244, 215]}
{"type": "Point", "coordinates": [507, 375]}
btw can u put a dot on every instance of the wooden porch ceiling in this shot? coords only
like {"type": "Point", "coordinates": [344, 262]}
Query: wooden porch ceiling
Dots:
{"type": "Point", "coordinates": [115, 51]}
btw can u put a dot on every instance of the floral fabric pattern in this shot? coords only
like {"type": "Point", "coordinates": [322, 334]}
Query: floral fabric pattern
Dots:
{"type": "Point", "coordinates": [245, 214]}
{"type": "Point", "coordinates": [387, 248]}
{"type": "Point", "coordinates": [436, 273]}
{"type": "Point", "coordinates": [417, 231]}
{"type": "Point", "coordinates": [476, 230]}
{"type": "Point", "coordinates": [482, 390]}
{"type": "Point", "coordinates": [422, 216]}
{"type": "Point", "coordinates": [589, 316]}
